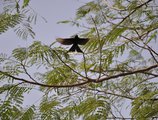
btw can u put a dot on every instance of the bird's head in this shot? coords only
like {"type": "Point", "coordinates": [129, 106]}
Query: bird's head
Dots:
{"type": "Point", "coordinates": [76, 37]}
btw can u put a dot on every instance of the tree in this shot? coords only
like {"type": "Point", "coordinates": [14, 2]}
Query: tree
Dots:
{"type": "Point", "coordinates": [18, 16]}
{"type": "Point", "coordinates": [119, 68]}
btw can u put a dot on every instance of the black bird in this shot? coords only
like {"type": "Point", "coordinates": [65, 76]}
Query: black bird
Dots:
{"type": "Point", "coordinates": [74, 42]}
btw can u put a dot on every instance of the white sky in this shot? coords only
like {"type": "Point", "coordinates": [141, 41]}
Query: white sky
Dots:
{"type": "Point", "coordinates": [53, 11]}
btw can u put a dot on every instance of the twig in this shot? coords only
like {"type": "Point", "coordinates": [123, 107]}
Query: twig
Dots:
{"type": "Point", "coordinates": [149, 49]}
{"type": "Point", "coordinates": [27, 73]}
{"type": "Point", "coordinates": [100, 47]}
{"type": "Point", "coordinates": [132, 13]}
{"type": "Point", "coordinates": [41, 84]}
{"type": "Point", "coordinates": [84, 58]}
{"type": "Point", "coordinates": [127, 73]}
{"type": "Point", "coordinates": [68, 65]}
{"type": "Point", "coordinates": [82, 83]}
{"type": "Point", "coordinates": [141, 82]}
{"type": "Point", "coordinates": [110, 93]}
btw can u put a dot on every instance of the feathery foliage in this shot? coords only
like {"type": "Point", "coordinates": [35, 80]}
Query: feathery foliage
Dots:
{"type": "Point", "coordinates": [19, 17]}
{"type": "Point", "coordinates": [8, 20]}
{"type": "Point", "coordinates": [116, 73]}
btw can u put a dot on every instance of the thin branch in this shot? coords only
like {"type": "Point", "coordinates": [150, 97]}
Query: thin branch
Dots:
{"type": "Point", "coordinates": [133, 42]}
{"type": "Point", "coordinates": [110, 93]}
{"type": "Point", "coordinates": [119, 118]}
{"type": "Point", "coordinates": [132, 13]}
{"type": "Point", "coordinates": [82, 83]}
{"type": "Point", "coordinates": [119, 111]}
{"type": "Point", "coordinates": [141, 82]}
{"type": "Point", "coordinates": [153, 57]}
{"type": "Point", "coordinates": [100, 47]}
{"type": "Point", "coordinates": [127, 73]}
{"type": "Point", "coordinates": [148, 73]}
{"type": "Point", "coordinates": [41, 84]}
{"type": "Point", "coordinates": [148, 49]}
{"type": "Point", "coordinates": [84, 58]}
{"type": "Point", "coordinates": [27, 72]}
{"type": "Point", "coordinates": [68, 65]}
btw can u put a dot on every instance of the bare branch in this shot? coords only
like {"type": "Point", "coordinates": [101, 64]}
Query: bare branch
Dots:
{"type": "Point", "coordinates": [27, 72]}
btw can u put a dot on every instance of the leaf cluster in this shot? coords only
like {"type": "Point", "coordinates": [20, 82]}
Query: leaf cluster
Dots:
{"type": "Point", "coordinates": [118, 67]}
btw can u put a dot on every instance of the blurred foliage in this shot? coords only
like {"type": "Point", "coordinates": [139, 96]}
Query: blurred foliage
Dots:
{"type": "Point", "coordinates": [18, 16]}
{"type": "Point", "coordinates": [123, 39]}
{"type": "Point", "coordinates": [8, 20]}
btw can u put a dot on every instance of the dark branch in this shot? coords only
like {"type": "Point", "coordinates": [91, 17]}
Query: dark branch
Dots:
{"type": "Point", "coordinates": [41, 84]}
{"type": "Point", "coordinates": [127, 73]}
{"type": "Point", "coordinates": [82, 83]}
{"type": "Point", "coordinates": [110, 93]}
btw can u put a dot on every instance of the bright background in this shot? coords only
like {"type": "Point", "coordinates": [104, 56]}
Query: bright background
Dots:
{"type": "Point", "coordinates": [46, 32]}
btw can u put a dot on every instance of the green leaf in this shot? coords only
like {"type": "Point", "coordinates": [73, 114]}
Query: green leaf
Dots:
{"type": "Point", "coordinates": [25, 3]}
{"type": "Point", "coordinates": [92, 107]}
{"type": "Point", "coordinates": [152, 37]}
{"type": "Point", "coordinates": [86, 9]}
{"type": "Point", "coordinates": [5, 88]}
{"type": "Point", "coordinates": [28, 114]}
{"type": "Point", "coordinates": [20, 53]}
{"type": "Point", "coordinates": [9, 21]}
{"type": "Point", "coordinates": [46, 106]}
{"type": "Point", "coordinates": [113, 34]}
{"type": "Point", "coordinates": [144, 106]}
{"type": "Point", "coordinates": [134, 53]}
{"type": "Point", "coordinates": [64, 21]}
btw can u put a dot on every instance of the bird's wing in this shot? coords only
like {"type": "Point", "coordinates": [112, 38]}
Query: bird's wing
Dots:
{"type": "Point", "coordinates": [82, 41]}
{"type": "Point", "coordinates": [65, 41]}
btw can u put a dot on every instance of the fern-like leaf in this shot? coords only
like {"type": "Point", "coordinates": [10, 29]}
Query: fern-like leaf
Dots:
{"type": "Point", "coordinates": [9, 21]}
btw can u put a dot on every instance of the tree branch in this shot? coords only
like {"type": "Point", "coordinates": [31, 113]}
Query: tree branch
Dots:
{"type": "Point", "coordinates": [110, 93]}
{"type": "Point", "coordinates": [27, 72]}
{"type": "Point", "coordinates": [148, 48]}
{"type": "Point", "coordinates": [100, 47]}
{"type": "Point", "coordinates": [41, 84]}
{"type": "Point", "coordinates": [68, 65]}
{"type": "Point", "coordinates": [82, 83]}
{"type": "Point", "coordinates": [132, 13]}
{"type": "Point", "coordinates": [127, 73]}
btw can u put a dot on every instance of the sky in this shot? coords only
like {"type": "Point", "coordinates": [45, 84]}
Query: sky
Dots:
{"type": "Point", "coordinates": [46, 32]}
{"type": "Point", "coordinates": [53, 11]}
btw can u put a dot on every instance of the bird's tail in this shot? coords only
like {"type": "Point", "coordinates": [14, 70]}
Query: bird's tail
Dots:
{"type": "Point", "coordinates": [74, 48]}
